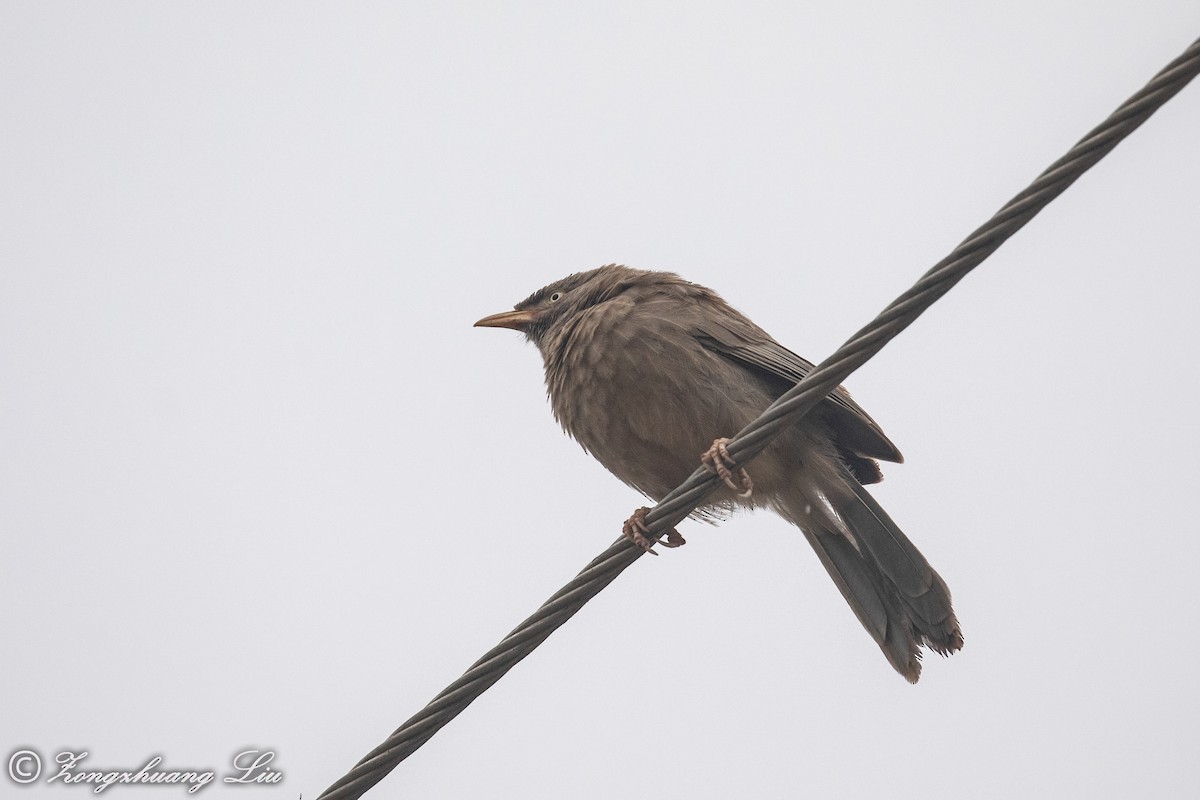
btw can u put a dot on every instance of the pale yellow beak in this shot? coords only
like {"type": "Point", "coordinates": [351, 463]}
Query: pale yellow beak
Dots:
{"type": "Point", "coordinates": [517, 320]}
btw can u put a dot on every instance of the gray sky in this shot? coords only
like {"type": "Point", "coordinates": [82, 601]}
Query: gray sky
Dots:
{"type": "Point", "coordinates": [264, 486]}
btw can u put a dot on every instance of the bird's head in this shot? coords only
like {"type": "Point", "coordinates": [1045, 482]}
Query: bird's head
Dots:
{"type": "Point", "coordinates": [547, 312]}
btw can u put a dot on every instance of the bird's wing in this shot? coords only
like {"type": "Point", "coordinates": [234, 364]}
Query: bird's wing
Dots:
{"type": "Point", "coordinates": [744, 342]}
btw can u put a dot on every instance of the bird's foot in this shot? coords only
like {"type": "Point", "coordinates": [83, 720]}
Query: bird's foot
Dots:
{"type": "Point", "coordinates": [717, 459]}
{"type": "Point", "coordinates": [636, 530]}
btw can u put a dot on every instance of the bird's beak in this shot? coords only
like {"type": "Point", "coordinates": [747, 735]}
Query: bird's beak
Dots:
{"type": "Point", "coordinates": [517, 320]}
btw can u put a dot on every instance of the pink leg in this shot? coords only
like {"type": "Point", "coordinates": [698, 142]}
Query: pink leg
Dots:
{"type": "Point", "coordinates": [635, 529]}
{"type": "Point", "coordinates": [717, 459]}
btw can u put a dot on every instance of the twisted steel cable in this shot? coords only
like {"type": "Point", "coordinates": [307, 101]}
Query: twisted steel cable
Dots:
{"type": "Point", "coordinates": [752, 439]}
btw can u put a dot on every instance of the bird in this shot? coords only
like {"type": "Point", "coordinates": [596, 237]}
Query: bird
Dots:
{"type": "Point", "coordinates": [649, 372]}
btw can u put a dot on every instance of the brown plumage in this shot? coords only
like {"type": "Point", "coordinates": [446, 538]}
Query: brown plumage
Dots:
{"type": "Point", "coordinates": [646, 369]}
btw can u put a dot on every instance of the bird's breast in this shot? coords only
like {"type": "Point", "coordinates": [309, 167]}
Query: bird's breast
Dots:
{"type": "Point", "coordinates": [644, 397]}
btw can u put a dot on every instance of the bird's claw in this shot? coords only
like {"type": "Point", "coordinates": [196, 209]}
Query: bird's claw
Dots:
{"type": "Point", "coordinates": [636, 530]}
{"type": "Point", "coordinates": [717, 459]}
{"type": "Point", "coordinates": [673, 539]}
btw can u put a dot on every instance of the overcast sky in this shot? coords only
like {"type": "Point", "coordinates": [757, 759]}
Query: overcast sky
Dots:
{"type": "Point", "coordinates": [262, 485]}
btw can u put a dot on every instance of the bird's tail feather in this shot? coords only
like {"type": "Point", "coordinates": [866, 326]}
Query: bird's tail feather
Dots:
{"type": "Point", "coordinates": [893, 591]}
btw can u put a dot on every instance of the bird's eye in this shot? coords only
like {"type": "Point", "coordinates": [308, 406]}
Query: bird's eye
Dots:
{"type": "Point", "coordinates": [554, 298]}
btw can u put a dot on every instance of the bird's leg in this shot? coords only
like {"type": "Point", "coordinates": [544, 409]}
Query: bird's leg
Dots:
{"type": "Point", "coordinates": [635, 529]}
{"type": "Point", "coordinates": [717, 459]}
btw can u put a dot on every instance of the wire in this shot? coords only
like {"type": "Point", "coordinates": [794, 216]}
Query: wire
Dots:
{"type": "Point", "coordinates": [752, 439]}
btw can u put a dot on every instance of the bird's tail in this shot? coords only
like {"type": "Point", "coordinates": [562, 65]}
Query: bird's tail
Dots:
{"type": "Point", "coordinates": [894, 592]}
